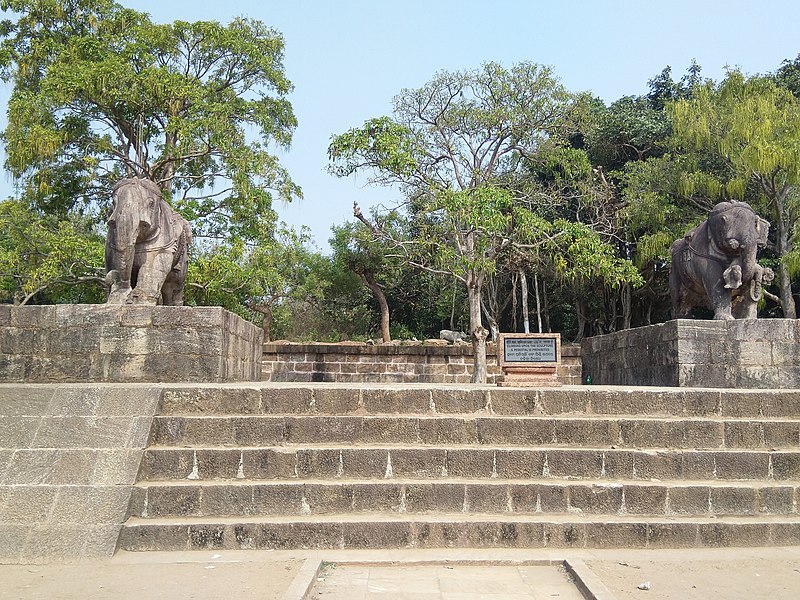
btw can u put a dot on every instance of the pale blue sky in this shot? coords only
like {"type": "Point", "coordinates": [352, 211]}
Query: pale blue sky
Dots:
{"type": "Point", "coordinates": [347, 59]}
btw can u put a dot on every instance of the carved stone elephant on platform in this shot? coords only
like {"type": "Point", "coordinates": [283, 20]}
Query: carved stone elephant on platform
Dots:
{"type": "Point", "coordinates": [147, 247]}
{"type": "Point", "coordinates": [715, 266]}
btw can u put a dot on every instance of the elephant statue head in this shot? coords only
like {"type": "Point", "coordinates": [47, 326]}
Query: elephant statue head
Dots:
{"type": "Point", "coordinates": [715, 264]}
{"type": "Point", "coordinates": [146, 246]}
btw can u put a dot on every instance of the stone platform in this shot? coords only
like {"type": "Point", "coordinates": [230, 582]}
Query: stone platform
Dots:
{"type": "Point", "coordinates": [123, 343]}
{"type": "Point", "coordinates": [760, 353]}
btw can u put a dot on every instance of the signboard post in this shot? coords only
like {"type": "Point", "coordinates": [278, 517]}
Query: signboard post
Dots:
{"type": "Point", "coordinates": [529, 359]}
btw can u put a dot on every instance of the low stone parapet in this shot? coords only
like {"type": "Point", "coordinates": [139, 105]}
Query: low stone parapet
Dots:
{"type": "Point", "coordinates": [352, 362]}
{"type": "Point", "coordinates": [125, 343]}
{"type": "Point", "coordinates": [759, 353]}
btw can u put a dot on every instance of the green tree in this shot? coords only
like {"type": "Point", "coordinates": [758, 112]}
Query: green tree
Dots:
{"type": "Point", "coordinates": [101, 92]}
{"type": "Point", "coordinates": [753, 126]}
{"type": "Point", "coordinates": [248, 279]}
{"type": "Point", "coordinates": [629, 142]}
{"type": "Point", "coordinates": [460, 149]}
{"type": "Point", "coordinates": [42, 258]}
{"type": "Point", "coordinates": [357, 246]}
{"type": "Point", "coordinates": [449, 147]}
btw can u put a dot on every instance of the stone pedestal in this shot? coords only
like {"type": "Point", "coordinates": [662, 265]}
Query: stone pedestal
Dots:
{"type": "Point", "coordinates": [759, 353]}
{"type": "Point", "coordinates": [125, 343]}
{"type": "Point", "coordinates": [529, 359]}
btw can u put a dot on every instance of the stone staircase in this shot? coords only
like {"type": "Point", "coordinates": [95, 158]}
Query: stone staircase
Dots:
{"type": "Point", "coordinates": [330, 466]}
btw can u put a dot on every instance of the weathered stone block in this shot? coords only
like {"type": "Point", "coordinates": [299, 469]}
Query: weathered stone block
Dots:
{"type": "Point", "coordinates": [645, 499]}
{"type": "Point", "coordinates": [518, 464]}
{"type": "Point", "coordinates": [319, 463]}
{"type": "Point", "coordinates": [726, 354]}
{"type": "Point", "coordinates": [672, 535]}
{"type": "Point", "coordinates": [776, 500]}
{"type": "Point", "coordinates": [236, 499]}
{"type": "Point", "coordinates": [444, 497]}
{"type": "Point", "coordinates": [367, 497]}
{"type": "Point", "coordinates": [573, 463]}
{"type": "Point", "coordinates": [413, 463]}
{"type": "Point", "coordinates": [603, 499]}
{"type": "Point", "coordinates": [618, 535]}
{"type": "Point", "coordinates": [564, 535]}
{"type": "Point", "coordinates": [691, 500]}
{"type": "Point", "coordinates": [122, 343]}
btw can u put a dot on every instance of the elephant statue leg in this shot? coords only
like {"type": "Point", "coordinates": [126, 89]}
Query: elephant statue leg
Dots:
{"type": "Point", "coordinates": [120, 291]}
{"type": "Point", "coordinates": [152, 275]}
{"type": "Point", "coordinates": [720, 300]}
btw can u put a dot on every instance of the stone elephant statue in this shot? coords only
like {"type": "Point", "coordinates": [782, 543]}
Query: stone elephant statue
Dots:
{"type": "Point", "coordinates": [715, 266]}
{"type": "Point", "coordinates": [147, 246]}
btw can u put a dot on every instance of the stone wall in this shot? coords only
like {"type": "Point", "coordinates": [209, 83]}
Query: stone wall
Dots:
{"type": "Point", "coordinates": [125, 343]}
{"type": "Point", "coordinates": [69, 455]}
{"type": "Point", "coordinates": [389, 363]}
{"type": "Point", "coordinates": [760, 353]}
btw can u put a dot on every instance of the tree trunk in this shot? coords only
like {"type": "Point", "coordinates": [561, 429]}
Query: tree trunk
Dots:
{"type": "Point", "coordinates": [476, 330]}
{"type": "Point", "coordinates": [524, 293]}
{"type": "Point", "coordinates": [781, 246]}
{"type": "Point", "coordinates": [369, 280]}
{"type": "Point", "coordinates": [784, 280]}
{"type": "Point", "coordinates": [266, 323]}
{"type": "Point", "coordinates": [625, 292]}
{"type": "Point", "coordinates": [453, 309]}
{"type": "Point", "coordinates": [545, 309]}
{"type": "Point", "coordinates": [538, 301]}
{"type": "Point", "coordinates": [580, 310]}
{"type": "Point", "coordinates": [514, 282]}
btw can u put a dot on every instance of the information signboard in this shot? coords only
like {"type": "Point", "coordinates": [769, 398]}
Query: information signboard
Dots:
{"type": "Point", "coordinates": [529, 350]}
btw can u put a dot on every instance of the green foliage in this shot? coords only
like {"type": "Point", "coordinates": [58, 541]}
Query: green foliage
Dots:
{"type": "Point", "coordinates": [46, 260]}
{"type": "Point", "coordinates": [580, 254]}
{"type": "Point", "coordinates": [629, 129]}
{"type": "Point", "coordinates": [270, 273]}
{"type": "Point", "coordinates": [101, 92]}
{"type": "Point", "coordinates": [753, 124]}
{"type": "Point", "coordinates": [788, 75]}
{"type": "Point", "coordinates": [379, 142]}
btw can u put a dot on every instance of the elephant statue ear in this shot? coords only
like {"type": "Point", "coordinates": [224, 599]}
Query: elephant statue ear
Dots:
{"type": "Point", "coordinates": [733, 277]}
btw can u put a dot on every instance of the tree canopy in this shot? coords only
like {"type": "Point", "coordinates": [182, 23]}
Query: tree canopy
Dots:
{"type": "Point", "coordinates": [459, 148]}
{"type": "Point", "coordinates": [100, 92]}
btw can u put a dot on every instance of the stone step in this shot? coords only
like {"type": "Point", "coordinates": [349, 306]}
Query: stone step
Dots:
{"type": "Point", "coordinates": [409, 399]}
{"type": "Point", "coordinates": [483, 430]}
{"type": "Point", "coordinates": [404, 530]}
{"type": "Point", "coordinates": [436, 462]}
{"type": "Point", "coordinates": [469, 496]}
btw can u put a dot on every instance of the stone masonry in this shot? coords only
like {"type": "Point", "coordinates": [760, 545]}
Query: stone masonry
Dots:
{"type": "Point", "coordinates": [760, 353]}
{"type": "Point", "coordinates": [390, 363]}
{"type": "Point", "coordinates": [281, 466]}
{"type": "Point", "coordinates": [125, 343]}
{"type": "Point", "coordinates": [69, 455]}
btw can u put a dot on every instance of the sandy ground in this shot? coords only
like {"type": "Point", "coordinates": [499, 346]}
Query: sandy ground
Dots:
{"type": "Point", "coordinates": [747, 579]}
{"type": "Point", "coordinates": [263, 579]}
{"type": "Point", "coordinates": [729, 574]}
